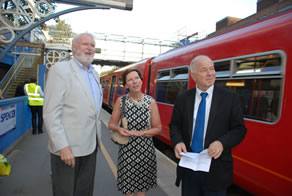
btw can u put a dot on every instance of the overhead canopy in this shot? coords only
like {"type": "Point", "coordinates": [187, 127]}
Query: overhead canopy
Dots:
{"type": "Point", "coordinates": [118, 4]}
{"type": "Point", "coordinates": [111, 62]}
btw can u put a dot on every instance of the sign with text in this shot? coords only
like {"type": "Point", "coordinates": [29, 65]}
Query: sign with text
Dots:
{"type": "Point", "coordinates": [7, 118]}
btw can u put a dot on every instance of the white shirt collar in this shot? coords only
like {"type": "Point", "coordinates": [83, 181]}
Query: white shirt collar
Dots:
{"type": "Point", "coordinates": [209, 90]}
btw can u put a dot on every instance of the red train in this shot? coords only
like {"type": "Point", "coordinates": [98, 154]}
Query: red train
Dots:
{"type": "Point", "coordinates": [254, 61]}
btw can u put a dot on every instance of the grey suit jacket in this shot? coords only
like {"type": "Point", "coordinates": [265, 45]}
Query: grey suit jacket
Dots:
{"type": "Point", "coordinates": [70, 114]}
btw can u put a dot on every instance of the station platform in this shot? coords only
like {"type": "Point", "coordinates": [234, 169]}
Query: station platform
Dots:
{"type": "Point", "coordinates": [30, 162]}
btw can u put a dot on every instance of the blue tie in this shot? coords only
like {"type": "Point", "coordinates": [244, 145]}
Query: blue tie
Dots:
{"type": "Point", "coordinates": [198, 135]}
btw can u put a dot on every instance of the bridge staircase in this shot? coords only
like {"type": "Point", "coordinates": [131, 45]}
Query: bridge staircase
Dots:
{"type": "Point", "coordinates": [23, 72]}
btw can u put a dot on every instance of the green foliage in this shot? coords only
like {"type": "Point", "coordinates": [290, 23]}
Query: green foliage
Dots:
{"type": "Point", "coordinates": [61, 31]}
{"type": "Point", "coordinates": [109, 71]}
{"type": "Point", "coordinates": [66, 28]}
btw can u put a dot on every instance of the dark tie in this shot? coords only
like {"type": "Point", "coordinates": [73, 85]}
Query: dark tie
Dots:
{"type": "Point", "coordinates": [198, 135]}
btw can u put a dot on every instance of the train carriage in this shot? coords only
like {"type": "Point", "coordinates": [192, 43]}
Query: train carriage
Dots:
{"type": "Point", "coordinates": [255, 62]}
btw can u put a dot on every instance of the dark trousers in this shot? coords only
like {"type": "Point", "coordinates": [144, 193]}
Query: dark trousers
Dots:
{"type": "Point", "coordinates": [194, 184]}
{"type": "Point", "coordinates": [37, 111]}
{"type": "Point", "coordinates": [77, 181]}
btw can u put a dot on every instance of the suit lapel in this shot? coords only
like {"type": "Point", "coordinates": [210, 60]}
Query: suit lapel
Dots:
{"type": "Point", "coordinates": [214, 106]}
{"type": "Point", "coordinates": [190, 108]}
{"type": "Point", "coordinates": [80, 78]}
{"type": "Point", "coordinates": [96, 76]}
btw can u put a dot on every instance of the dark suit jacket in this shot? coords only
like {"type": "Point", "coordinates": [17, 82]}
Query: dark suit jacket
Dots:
{"type": "Point", "coordinates": [225, 124]}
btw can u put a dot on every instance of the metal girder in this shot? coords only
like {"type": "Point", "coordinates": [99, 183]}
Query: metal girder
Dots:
{"type": "Point", "coordinates": [111, 62]}
{"type": "Point", "coordinates": [22, 33]}
{"type": "Point", "coordinates": [27, 44]}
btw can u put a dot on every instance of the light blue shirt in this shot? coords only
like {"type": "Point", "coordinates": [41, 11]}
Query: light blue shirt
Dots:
{"type": "Point", "coordinates": [91, 82]}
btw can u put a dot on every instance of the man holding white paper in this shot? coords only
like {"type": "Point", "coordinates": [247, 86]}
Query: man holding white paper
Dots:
{"type": "Point", "coordinates": [206, 117]}
{"type": "Point", "coordinates": [196, 161]}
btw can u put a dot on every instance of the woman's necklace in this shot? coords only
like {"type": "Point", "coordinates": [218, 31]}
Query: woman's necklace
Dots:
{"type": "Point", "coordinates": [137, 102]}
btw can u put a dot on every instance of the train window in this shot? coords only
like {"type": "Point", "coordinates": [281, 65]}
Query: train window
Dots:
{"type": "Point", "coordinates": [163, 75]}
{"type": "Point", "coordinates": [259, 65]}
{"type": "Point", "coordinates": [181, 77]}
{"type": "Point", "coordinates": [222, 69]}
{"type": "Point", "coordinates": [259, 97]}
{"type": "Point", "coordinates": [105, 85]}
{"type": "Point", "coordinates": [112, 90]}
{"type": "Point", "coordinates": [258, 83]}
{"type": "Point", "coordinates": [164, 78]}
{"type": "Point", "coordinates": [120, 87]}
{"type": "Point", "coordinates": [170, 83]}
{"type": "Point", "coordinates": [178, 72]}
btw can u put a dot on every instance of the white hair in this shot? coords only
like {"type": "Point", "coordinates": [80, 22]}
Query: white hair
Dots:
{"type": "Point", "coordinates": [77, 37]}
{"type": "Point", "coordinates": [195, 60]}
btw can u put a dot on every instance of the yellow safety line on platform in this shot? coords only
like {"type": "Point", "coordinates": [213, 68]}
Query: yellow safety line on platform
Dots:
{"type": "Point", "coordinates": [109, 160]}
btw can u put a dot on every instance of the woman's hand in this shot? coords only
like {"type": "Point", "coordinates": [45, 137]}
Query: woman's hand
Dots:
{"type": "Point", "coordinates": [136, 133]}
{"type": "Point", "coordinates": [124, 132]}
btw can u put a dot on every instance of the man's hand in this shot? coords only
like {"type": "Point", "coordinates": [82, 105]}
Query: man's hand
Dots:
{"type": "Point", "coordinates": [180, 147]}
{"type": "Point", "coordinates": [215, 149]}
{"type": "Point", "coordinates": [67, 156]}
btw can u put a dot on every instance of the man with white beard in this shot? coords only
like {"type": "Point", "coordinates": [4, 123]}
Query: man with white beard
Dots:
{"type": "Point", "coordinates": [71, 117]}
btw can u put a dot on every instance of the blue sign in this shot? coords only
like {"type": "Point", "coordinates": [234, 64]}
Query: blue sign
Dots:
{"type": "Point", "coordinates": [184, 42]}
{"type": "Point", "coordinates": [7, 118]}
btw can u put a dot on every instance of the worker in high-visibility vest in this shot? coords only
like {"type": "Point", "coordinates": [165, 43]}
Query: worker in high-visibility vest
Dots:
{"type": "Point", "coordinates": [35, 101]}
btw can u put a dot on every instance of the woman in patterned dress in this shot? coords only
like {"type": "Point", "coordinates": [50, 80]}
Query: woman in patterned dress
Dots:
{"type": "Point", "coordinates": [137, 170]}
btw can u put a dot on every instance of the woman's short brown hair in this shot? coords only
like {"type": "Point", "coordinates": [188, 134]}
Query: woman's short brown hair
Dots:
{"type": "Point", "coordinates": [124, 76]}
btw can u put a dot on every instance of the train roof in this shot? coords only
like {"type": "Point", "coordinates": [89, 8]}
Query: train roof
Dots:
{"type": "Point", "coordinates": [132, 65]}
{"type": "Point", "coordinates": [274, 21]}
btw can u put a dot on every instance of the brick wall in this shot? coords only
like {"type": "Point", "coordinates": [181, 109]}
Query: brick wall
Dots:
{"type": "Point", "coordinates": [266, 8]}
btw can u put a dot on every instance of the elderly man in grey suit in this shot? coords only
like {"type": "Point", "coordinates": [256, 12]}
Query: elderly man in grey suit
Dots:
{"type": "Point", "coordinates": [71, 116]}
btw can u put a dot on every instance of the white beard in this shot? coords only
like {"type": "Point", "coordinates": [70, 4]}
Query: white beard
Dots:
{"type": "Point", "coordinates": [82, 58]}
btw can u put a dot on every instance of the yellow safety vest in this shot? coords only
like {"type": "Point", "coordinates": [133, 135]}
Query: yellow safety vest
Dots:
{"type": "Point", "coordinates": [34, 96]}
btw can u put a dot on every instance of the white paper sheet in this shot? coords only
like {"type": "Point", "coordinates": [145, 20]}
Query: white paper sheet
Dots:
{"type": "Point", "coordinates": [196, 161]}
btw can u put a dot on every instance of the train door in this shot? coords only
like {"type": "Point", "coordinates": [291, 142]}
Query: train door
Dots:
{"type": "Point", "coordinates": [112, 90]}
{"type": "Point", "coordinates": [169, 82]}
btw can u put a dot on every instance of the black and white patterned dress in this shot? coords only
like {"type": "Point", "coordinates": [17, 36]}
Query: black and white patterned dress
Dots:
{"type": "Point", "coordinates": [137, 171]}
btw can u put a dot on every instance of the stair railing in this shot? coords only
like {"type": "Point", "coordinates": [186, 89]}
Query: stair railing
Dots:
{"type": "Point", "coordinates": [13, 72]}
{"type": "Point", "coordinates": [11, 75]}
